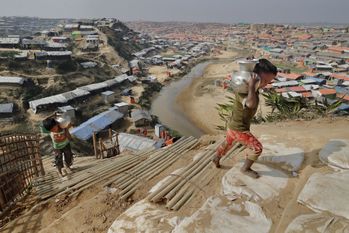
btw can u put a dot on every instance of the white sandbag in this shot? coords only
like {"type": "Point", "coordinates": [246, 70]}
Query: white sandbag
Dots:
{"type": "Point", "coordinates": [327, 192]}
{"type": "Point", "coordinates": [144, 217]}
{"type": "Point", "coordinates": [218, 215]}
{"type": "Point", "coordinates": [289, 158]}
{"type": "Point", "coordinates": [265, 187]}
{"type": "Point", "coordinates": [318, 223]}
{"type": "Point", "coordinates": [336, 153]}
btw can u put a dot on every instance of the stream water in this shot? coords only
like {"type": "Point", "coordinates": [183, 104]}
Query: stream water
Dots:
{"type": "Point", "coordinates": [166, 108]}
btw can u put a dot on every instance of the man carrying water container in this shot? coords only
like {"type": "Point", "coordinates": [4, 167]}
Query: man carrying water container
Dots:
{"type": "Point", "coordinates": [245, 107]}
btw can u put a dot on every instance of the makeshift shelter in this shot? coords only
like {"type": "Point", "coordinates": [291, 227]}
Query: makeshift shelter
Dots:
{"type": "Point", "coordinates": [108, 96]}
{"type": "Point", "coordinates": [96, 124]}
{"type": "Point", "coordinates": [122, 107]}
{"type": "Point", "coordinates": [11, 80]}
{"type": "Point", "coordinates": [141, 117]}
{"type": "Point", "coordinates": [6, 110]}
{"type": "Point", "coordinates": [59, 99]}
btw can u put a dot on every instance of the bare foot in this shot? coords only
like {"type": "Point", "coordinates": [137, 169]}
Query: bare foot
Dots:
{"type": "Point", "coordinates": [251, 173]}
{"type": "Point", "coordinates": [215, 160]}
{"type": "Point", "coordinates": [68, 169]}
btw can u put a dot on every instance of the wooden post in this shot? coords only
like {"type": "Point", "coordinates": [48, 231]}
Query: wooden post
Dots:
{"type": "Point", "coordinates": [110, 134]}
{"type": "Point", "coordinates": [95, 144]}
{"type": "Point", "coordinates": [101, 148]}
{"type": "Point", "coordinates": [117, 142]}
{"type": "Point", "coordinates": [38, 155]}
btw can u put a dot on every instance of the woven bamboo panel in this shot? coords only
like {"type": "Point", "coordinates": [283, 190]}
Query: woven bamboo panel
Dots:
{"type": "Point", "coordinates": [20, 162]}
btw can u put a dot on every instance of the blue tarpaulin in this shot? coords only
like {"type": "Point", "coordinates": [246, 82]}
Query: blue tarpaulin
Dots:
{"type": "Point", "coordinates": [96, 124]}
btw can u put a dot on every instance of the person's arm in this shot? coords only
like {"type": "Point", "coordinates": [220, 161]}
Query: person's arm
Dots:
{"type": "Point", "coordinates": [252, 97]}
{"type": "Point", "coordinates": [67, 133]}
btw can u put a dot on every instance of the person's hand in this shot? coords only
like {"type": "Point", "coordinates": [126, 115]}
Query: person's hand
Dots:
{"type": "Point", "coordinates": [253, 81]}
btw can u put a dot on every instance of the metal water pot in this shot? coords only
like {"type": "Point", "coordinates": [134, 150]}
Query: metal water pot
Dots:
{"type": "Point", "coordinates": [63, 120]}
{"type": "Point", "coordinates": [240, 79]}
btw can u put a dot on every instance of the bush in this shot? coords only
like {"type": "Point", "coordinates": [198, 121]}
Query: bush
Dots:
{"type": "Point", "coordinates": [66, 66]}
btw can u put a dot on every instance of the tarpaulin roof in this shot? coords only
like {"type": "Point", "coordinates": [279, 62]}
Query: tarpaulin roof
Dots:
{"type": "Point", "coordinates": [134, 142]}
{"type": "Point", "coordinates": [70, 95]}
{"type": "Point", "coordinates": [94, 86]}
{"type": "Point", "coordinates": [11, 80]}
{"type": "Point", "coordinates": [60, 98]}
{"type": "Point", "coordinates": [6, 108]}
{"type": "Point", "coordinates": [139, 114]}
{"type": "Point", "coordinates": [121, 78]}
{"type": "Point", "coordinates": [96, 124]}
{"type": "Point", "coordinates": [285, 84]}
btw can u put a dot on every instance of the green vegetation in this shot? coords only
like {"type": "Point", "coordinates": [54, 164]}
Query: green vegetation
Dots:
{"type": "Point", "coordinates": [291, 108]}
{"type": "Point", "coordinates": [125, 48]}
{"type": "Point", "coordinates": [8, 54]}
{"type": "Point", "coordinates": [66, 67]}
{"type": "Point", "coordinates": [149, 90]}
{"type": "Point", "coordinates": [290, 66]}
{"type": "Point", "coordinates": [296, 107]}
{"type": "Point", "coordinates": [225, 112]}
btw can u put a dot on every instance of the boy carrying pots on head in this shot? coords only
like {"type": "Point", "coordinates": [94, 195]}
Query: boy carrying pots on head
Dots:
{"type": "Point", "coordinates": [60, 136]}
{"type": "Point", "coordinates": [245, 107]}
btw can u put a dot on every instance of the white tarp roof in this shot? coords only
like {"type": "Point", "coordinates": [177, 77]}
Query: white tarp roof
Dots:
{"type": "Point", "coordinates": [94, 86]}
{"type": "Point", "coordinates": [121, 78]}
{"type": "Point", "coordinates": [6, 108]}
{"type": "Point", "coordinates": [70, 95]}
{"type": "Point", "coordinates": [285, 84]}
{"type": "Point", "coordinates": [56, 99]}
{"type": "Point", "coordinates": [134, 142]}
{"type": "Point", "coordinates": [11, 80]}
{"type": "Point", "coordinates": [6, 40]}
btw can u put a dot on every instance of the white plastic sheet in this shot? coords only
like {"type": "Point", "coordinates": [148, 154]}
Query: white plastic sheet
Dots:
{"type": "Point", "coordinates": [219, 215]}
{"type": "Point", "coordinates": [327, 192]}
{"type": "Point", "coordinates": [318, 223]}
{"type": "Point", "coordinates": [235, 183]}
{"type": "Point", "coordinates": [336, 154]}
{"type": "Point", "coordinates": [144, 217]}
{"type": "Point", "coordinates": [289, 158]}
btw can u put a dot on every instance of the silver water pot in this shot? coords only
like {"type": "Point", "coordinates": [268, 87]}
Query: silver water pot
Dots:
{"type": "Point", "coordinates": [63, 120]}
{"type": "Point", "coordinates": [240, 79]}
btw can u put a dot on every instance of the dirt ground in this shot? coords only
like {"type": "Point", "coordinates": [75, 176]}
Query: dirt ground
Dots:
{"type": "Point", "coordinates": [161, 73]}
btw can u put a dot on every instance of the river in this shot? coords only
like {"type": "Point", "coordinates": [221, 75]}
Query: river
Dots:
{"type": "Point", "coordinates": [166, 108]}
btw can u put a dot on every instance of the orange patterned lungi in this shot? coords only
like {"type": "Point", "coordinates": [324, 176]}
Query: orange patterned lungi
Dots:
{"type": "Point", "coordinates": [245, 138]}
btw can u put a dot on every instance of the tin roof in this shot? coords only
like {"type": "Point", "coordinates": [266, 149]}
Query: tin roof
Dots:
{"type": "Point", "coordinates": [327, 91]}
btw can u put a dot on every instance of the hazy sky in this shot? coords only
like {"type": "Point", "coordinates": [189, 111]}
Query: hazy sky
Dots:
{"type": "Point", "coordinates": [228, 11]}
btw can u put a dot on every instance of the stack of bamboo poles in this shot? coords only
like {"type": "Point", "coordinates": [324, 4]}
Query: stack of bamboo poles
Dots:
{"type": "Point", "coordinates": [180, 188]}
{"type": "Point", "coordinates": [51, 185]}
{"type": "Point", "coordinates": [129, 181]}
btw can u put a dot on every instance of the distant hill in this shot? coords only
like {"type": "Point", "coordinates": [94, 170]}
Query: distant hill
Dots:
{"type": "Point", "coordinates": [124, 40]}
